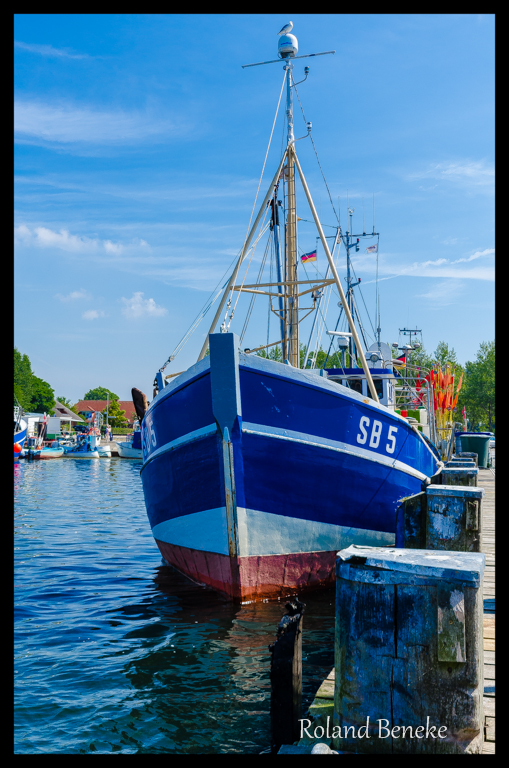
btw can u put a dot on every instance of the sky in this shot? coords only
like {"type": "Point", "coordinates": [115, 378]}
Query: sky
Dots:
{"type": "Point", "coordinates": [139, 148]}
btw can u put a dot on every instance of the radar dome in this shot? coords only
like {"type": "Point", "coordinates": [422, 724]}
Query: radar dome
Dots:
{"type": "Point", "coordinates": [287, 46]}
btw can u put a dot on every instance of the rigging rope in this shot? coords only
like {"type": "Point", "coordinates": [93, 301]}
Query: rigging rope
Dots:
{"type": "Point", "coordinates": [201, 314]}
{"type": "Point", "coordinates": [254, 295]}
{"type": "Point", "coordinates": [316, 153]}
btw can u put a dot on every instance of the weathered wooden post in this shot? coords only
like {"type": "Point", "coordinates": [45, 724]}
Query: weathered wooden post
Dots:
{"type": "Point", "coordinates": [286, 678]}
{"type": "Point", "coordinates": [468, 455]}
{"type": "Point", "coordinates": [453, 518]}
{"type": "Point", "coordinates": [411, 522]}
{"type": "Point", "coordinates": [441, 517]}
{"type": "Point", "coordinates": [409, 651]}
{"type": "Point", "coordinates": [459, 476]}
{"type": "Point", "coordinates": [460, 463]}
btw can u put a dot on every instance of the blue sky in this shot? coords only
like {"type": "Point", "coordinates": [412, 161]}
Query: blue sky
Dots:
{"type": "Point", "coordinates": [139, 144]}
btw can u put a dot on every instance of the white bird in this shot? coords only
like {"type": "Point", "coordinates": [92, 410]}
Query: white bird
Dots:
{"type": "Point", "coordinates": [286, 29]}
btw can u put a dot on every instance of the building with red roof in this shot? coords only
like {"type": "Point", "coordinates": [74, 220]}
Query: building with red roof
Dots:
{"type": "Point", "coordinates": [87, 407]}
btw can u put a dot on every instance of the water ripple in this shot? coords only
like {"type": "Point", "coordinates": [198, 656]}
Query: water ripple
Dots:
{"type": "Point", "coordinates": [116, 652]}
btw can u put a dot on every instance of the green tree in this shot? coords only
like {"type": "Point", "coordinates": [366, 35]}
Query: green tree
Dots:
{"type": "Point", "coordinates": [478, 391]}
{"type": "Point", "coordinates": [65, 401]}
{"type": "Point", "coordinates": [116, 416]}
{"type": "Point", "coordinates": [43, 397]}
{"type": "Point", "coordinates": [23, 379]}
{"type": "Point", "coordinates": [100, 393]}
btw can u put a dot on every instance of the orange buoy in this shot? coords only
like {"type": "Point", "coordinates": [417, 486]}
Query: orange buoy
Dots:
{"type": "Point", "coordinates": [17, 448]}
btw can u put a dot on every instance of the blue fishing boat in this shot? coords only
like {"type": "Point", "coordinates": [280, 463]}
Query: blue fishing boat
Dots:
{"type": "Point", "coordinates": [85, 447]}
{"type": "Point", "coordinates": [256, 472]}
{"type": "Point", "coordinates": [20, 432]}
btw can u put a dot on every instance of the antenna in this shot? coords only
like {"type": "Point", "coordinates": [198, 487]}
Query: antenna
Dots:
{"type": "Point", "coordinates": [287, 56]}
{"type": "Point", "coordinates": [363, 219]}
{"type": "Point", "coordinates": [373, 213]}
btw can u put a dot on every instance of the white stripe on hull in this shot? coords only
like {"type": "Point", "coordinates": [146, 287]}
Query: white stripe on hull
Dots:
{"type": "Point", "coordinates": [263, 533]}
{"type": "Point", "coordinates": [295, 437]}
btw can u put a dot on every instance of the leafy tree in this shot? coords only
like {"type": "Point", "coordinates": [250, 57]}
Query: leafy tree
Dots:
{"type": "Point", "coordinates": [116, 416]}
{"type": "Point", "coordinates": [65, 401]}
{"type": "Point", "coordinates": [23, 379]}
{"type": "Point", "coordinates": [100, 393]}
{"type": "Point", "coordinates": [478, 391]}
{"type": "Point", "coordinates": [43, 397]}
{"type": "Point", "coordinates": [32, 393]}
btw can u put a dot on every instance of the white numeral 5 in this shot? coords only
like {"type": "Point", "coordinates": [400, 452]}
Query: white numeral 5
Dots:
{"type": "Point", "coordinates": [392, 437]}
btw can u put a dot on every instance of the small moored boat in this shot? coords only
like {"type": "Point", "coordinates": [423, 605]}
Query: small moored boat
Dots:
{"type": "Point", "coordinates": [84, 448]}
{"type": "Point", "coordinates": [131, 448]}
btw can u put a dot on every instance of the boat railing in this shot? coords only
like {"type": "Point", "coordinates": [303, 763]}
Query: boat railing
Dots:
{"type": "Point", "coordinates": [408, 397]}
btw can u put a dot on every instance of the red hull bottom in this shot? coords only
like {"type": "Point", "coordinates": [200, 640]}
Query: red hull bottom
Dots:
{"type": "Point", "coordinates": [245, 579]}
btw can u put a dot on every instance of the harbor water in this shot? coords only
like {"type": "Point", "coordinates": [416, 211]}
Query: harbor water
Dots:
{"type": "Point", "coordinates": [117, 652]}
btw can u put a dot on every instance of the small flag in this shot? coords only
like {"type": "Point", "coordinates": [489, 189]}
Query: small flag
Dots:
{"type": "Point", "coordinates": [308, 257]}
{"type": "Point", "coordinates": [372, 249]}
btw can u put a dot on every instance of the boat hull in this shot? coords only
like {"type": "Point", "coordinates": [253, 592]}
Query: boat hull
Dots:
{"type": "Point", "coordinates": [255, 473]}
{"type": "Point", "coordinates": [20, 436]}
{"type": "Point", "coordinates": [125, 451]}
{"type": "Point", "coordinates": [51, 453]}
{"type": "Point", "coordinates": [81, 455]}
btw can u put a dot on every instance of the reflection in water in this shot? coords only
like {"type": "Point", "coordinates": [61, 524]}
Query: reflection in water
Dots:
{"type": "Point", "coordinates": [118, 653]}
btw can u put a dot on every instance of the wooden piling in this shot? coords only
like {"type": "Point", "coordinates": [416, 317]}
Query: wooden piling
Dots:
{"type": "Point", "coordinates": [411, 522]}
{"type": "Point", "coordinates": [286, 678]}
{"type": "Point", "coordinates": [454, 518]}
{"type": "Point", "coordinates": [468, 455]}
{"type": "Point", "coordinates": [409, 651]}
{"type": "Point", "coordinates": [459, 476]}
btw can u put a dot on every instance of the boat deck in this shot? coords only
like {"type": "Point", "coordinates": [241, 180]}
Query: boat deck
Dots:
{"type": "Point", "coordinates": [323, 703]}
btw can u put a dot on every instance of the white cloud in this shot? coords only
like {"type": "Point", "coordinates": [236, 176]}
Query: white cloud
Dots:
{"type": "Point", "coordinates": [137, 306]}
{"type": "Point", "coordinates": [472, 174]}
{"type": "Point", "coordinates": [74, 295]}
{"type": "Point", "coordinates": [390, 266]}
{"type": "Point", "coordinates": [476, 255]}
{"type": "Point", "coordinates": [93, 314]}
{"type": "Point", "coordinates": [42, 237]}
{"type": "Point", "coordinates": [48, 50]}
{"type": "Point", "coordinates": [66, 123]}
{"type": "Point", "coordinates": [445, 293]}
{"type": "Point", "coordinates": [115, 248]}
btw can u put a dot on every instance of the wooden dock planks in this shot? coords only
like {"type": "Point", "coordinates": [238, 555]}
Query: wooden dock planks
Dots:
{"type": "Point", "coordinates": [486, 479]}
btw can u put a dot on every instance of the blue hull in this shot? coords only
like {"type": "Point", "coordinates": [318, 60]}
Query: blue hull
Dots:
{"type": "Point", "coordinates": [248, 458]}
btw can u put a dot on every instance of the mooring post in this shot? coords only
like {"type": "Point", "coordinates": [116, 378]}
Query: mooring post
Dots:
{"type": "Point", "coordinates": [411, 522]}
{"type": "Point", "coordinates": [459, 476]}
{"type": "Point", "coordinates": [468, 455]}
{"type": "Point", "coordinates": [442, 517]}
{"type": "Point", "coordinates": [409, 651]}
{"type": "Point", "coordinates": [286, 678]}
{"type": "Point", "coordinates": [453, 518]}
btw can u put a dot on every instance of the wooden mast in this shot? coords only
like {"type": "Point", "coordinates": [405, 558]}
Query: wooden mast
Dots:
{"type": "Point", "coordinates": [291, 254]}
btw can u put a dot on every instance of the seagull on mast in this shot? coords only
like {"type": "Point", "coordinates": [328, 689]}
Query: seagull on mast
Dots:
{"type": "Point", "coordinates": [286, 29]}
